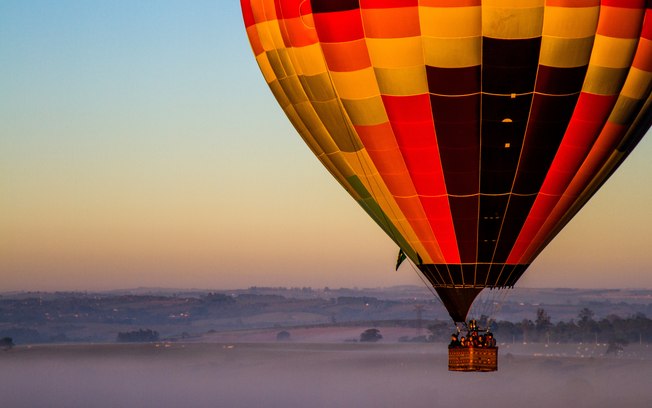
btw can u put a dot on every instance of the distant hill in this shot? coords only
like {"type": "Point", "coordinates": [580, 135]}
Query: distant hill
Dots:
{"type": "Point", "coordinates": [37, 317]}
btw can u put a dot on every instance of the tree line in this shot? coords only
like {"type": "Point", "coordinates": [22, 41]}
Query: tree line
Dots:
{"type": "Point", "coordinates": [138, 336]}
{"type": "Point", "coordinates": [585, 329]}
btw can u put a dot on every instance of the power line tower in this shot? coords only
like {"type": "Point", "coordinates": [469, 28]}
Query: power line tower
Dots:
{"type": "Point", "coordinates": [419, 310]}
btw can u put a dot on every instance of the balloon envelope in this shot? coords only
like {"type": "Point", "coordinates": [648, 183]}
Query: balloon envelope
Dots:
{"type": "Point", "coordinates": [470, 131]}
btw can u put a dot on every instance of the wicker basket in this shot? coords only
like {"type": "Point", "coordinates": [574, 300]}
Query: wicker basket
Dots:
{"type": "Point", "coordinates": [473, 359]}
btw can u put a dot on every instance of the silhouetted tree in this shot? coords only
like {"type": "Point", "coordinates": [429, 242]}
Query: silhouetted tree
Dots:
{"type": "Point", "coordinates": [542, 325]}
{"type": "Point", "coordinates": [371, 335]}
{"type": "Point", "coordinates": [6, 343]}
{"type": "Point", "coordinates": [543, 321]}
{"type": "Point", "coordinates": [566, 332]}
{"type": "Point", "coordinates": [138, 336]}
{"type": "Point", "coordinates": [527, 326]}
{"type": "Point", "coordinates": [589, 328]}
{"type": "Point", "coordinates": [283, 336]}
{"type": "Point", "coordinates": [585, 316]}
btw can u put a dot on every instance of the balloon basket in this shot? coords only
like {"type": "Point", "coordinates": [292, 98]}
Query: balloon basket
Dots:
{"type": "Point", "coordinates": [473, 359]}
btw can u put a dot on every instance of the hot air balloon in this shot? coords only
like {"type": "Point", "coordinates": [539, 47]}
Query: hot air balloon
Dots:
{"type": "Point", "coordinates": [470, 131]}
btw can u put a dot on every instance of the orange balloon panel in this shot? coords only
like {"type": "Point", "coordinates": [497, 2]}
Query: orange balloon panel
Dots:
{"type": "Point", "coordinates": [470, 131]}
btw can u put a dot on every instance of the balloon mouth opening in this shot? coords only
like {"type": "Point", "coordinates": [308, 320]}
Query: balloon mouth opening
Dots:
{"type": "Point", "coordinates": [458, 285]}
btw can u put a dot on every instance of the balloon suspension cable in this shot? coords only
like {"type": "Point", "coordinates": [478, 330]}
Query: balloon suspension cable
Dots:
{"type": "Point", "coordinates": [482, 309]}
{"type": "Point", "coordinates": [485, 306]}
{"type": "Point", "coordinates": [426, 284]}
{"type": "Point", "coordinates": [501, 301]}
{"type": "Point", "coordinates": [489, 305]}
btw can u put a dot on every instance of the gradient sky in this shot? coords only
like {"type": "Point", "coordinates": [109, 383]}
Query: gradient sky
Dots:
{"type": "Point", "coordinates": [140, 146]}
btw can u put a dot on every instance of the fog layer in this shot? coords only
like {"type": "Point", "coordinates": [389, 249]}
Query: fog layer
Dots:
{"type": "Point", "coordinates": [309, 375]}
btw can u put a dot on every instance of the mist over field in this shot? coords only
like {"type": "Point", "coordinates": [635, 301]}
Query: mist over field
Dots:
{"type": "Point", "coordinates": [314, 375]}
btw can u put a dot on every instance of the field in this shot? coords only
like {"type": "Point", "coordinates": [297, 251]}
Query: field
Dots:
{"type": "Point", "coordinates": [308, 374]}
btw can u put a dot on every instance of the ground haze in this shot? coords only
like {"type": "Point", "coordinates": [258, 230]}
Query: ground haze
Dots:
{"type": "Point", "coordinates": [316, 375]}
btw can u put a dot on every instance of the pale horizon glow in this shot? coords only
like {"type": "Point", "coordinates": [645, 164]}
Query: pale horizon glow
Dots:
{"type": "Point", "coordinates": [140, 147]}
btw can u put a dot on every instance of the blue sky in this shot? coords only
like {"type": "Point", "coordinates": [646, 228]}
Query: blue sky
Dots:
{"type": "Point", "coordinates": [140, 146]}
